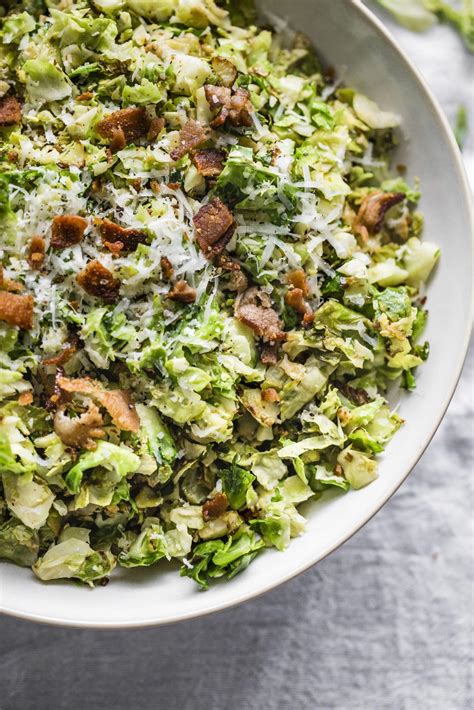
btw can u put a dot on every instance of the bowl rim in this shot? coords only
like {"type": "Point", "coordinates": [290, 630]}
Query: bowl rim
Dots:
{"type": "Point", "coordinates": [378, 26]}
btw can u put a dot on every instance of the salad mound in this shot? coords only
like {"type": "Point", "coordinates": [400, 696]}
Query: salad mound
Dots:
{"type": "Point", "coordinates": [210, 278]}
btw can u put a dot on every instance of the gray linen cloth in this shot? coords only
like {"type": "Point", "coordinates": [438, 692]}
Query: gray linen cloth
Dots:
{"type": "Point", "coordinates": [383, 623]}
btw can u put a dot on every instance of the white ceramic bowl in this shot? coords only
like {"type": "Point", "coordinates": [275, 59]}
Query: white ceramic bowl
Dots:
{"type": "Point", "coordinates": [348, 37]}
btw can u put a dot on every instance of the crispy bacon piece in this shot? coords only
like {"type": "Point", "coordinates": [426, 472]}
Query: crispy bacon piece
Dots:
{"type": "Point", "coordinates": [133, 122]}
{"type": "Point", "coordinates": [192, 135]}
{"type": "Point", "coordinates": [114, 247]}
{"type": "Point", "coordinates": [67, 230]}
{"type": "Point", "coordinates": [116, 402]}
{"type": "Point", "coordinates": [156, 126]}
{"type": "Point", "coordinates": [295, 299]}
{"type": "Point", "coordinates": [16, 310]}
{"type": "Point", "coordinates": [10, 111]}
{"type": "Point", "coordinates": [226, 263]}
{"type": "Point", "coordinates": [166, 268]}
{"type": "Point", "coordinates": [117, 140]}
{"type": "Point", "coordinates": [79, 431]}
{"type": "Point", "coordinates": [240, 109]}
{"type": "Point", "coordinates": [25, 399]}
{"type": "Point", "coordinates": [182, 292]}
{"type": "Point", "coordinates": [237, 280]}
{"type": "Point", "coordinates": [8, 284]}
{"type": "Point", "coordinates": [61, 358]}
{"type": "Point", "coordinates": [215, 507]}
{"type": "Point", "coordinates": [308, 318]}
{"type": "Point", "coordinates": [268, 354]}
{"type": "Point", "coordinates": [297, 278]}
{"type": "Point", "coordinates": [254, 309]}
{"type": "Point", "coordinates": [372, 211]}
{"type": "Point", "coordinates": [214, 225]}
{"type": "Point", "coordinates": [98, 281]}
{"type": "Point", "coordinates": [210, 162]}
{"type": "Point", "coordinates": [234, 107]}
{"type": "Point", "coordinates": [36, 252]}
{"type": "Point", "coordinates": [85, 96]}
{"type": "Point", "coordinates": [217, 96]}
{"type": "Point", "coordinates": [112, 233]}
{"type": "Point", "coordinates": [270, 395]}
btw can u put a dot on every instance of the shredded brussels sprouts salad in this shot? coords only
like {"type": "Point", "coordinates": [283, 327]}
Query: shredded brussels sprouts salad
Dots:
{"type": "Point", "coordinates": [210, 278]}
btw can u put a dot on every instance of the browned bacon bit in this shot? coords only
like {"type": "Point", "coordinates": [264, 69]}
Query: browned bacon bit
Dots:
{"type": "Point", "coordinates": [224, 262]}
{"type": "Point", "coordinates": [270, 395]}
{"type": "Point", "coordinates": [114, 247]}
{"type": "Point", "coordinates": [67, 230]}
{"type": "Point", "coordinates": [156, 126]}
{"type": "Point", "coordinates": [117, 140]}
{"type": "Point", "coordinates": [295, 299]}
{"type": "Point", "coordinates": [98, 281]}
{"type": "Point", "coordinates": [79, 431]}
{"type": "Point", "coordinates": [10, 111]}
{"type": "Point", "coordinates": [61, 358]}
{"type": "Point", "coordinates": [113, 233]}
{"type": "Point", "coordinates": [16, 310]}
{"type": "Point", "coordinates": [234, 107]}
{"type": "Point", "coordinates": [215, 507]}
{"type": "Point", "coordinates": [237, 281]}
{"type": "Point", "coordinates": [36, 252]}
{"type": "Point", "coordinates": [116, 402]}
{"type": "Point", "coordinates": [25, 399]}
{"type": "Point", "coordinates": [182, 292]}
{"type": "Point", "coordinates": [268, 354]}
{"type": "Point", "coordinates": [217, 96]}
{"type": "Point", "coordinates": [85, 96]}
{"type": "Point", "coordinates": [133, 122]}
{"type": "Point", "coordinates": [253, 308]}
{"type": "Point", "coordinates": [174, 185]}
{"type": "Point", "coordinates": [214, 225]}
{"type": "Point", "coordinates": [240, 109]}
{"type": "Point", "coordinates": [297, 278]}
{"type": "Point", "coordinates": [224, 70]}
{"type": "Point", "coordinates": [8, 284]}
{"type": "Point", "coordinates": [192, 135]}
{"type": "Point", "coordinates": [166, 268]}
{"type": "Point", "coordinates": [210, 162]}
{"type": "Point", "coordinates": [372, 211]}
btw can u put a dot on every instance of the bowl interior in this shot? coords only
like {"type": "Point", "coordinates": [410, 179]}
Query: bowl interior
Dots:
{"type": "Point", "coordinates": [350, 40]}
